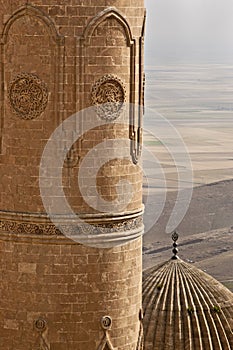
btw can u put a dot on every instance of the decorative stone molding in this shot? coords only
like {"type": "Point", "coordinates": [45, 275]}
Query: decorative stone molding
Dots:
{"type": "Point", "coordinates": [31, 10]}
{"type": "Point", "coordinates": [136, 124]}
{"type": "Point", "coordinates": [40, 326]}
{"type": "Point", "coordinates": [28, 96]}
{"type": "Point", "coordinates": [105, 235]}
{"type": "Point", "coordinates": [20, 227]}
{"type": "Point", "coordinates": [96, 231]}
{"type": "Point", "coordinates": [106, 322]}
{"type": "Point", "coordinates": [108, 95]}
{"type": "Point", "coordinates": [109, 12]}
{"type": "Point", "coordinates": [106, 344]}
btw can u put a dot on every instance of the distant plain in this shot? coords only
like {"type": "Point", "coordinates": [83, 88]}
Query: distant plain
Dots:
{"type": "Point", "coordinates": [197, 101]}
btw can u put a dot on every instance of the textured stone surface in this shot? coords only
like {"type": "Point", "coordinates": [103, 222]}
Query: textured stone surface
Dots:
{"type": "Point", "coordinates": [69, 46]}
{"type": "Point", "coordinates": [54, 292]}
{"type": "Point", "coordinates": [71, 287]}
{"type": "Point", "coordinates": [185, 309]}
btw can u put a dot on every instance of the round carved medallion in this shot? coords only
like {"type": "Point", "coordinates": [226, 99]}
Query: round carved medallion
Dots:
{"type": "Point", "coordinates": [28, 96]}
{"type": "Point", "coordinates": [108, 95]}
{"type": "Point", "coordinates": [106, 322]}
{"type": "Point", "coordinates": [40, 324]}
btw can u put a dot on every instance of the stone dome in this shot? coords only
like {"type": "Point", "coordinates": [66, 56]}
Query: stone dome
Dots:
{"type": "Point", "coordinates": [184, 308]}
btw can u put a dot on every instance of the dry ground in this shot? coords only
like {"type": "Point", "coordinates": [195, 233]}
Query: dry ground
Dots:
{"type": "Point", "coordinates": [206, 233]}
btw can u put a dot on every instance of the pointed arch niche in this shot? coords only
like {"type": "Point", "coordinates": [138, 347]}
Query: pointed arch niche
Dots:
{"type": "Point", "coordinates": [30, 44]}
{"type": "Point", "coordinates": [107, 47]}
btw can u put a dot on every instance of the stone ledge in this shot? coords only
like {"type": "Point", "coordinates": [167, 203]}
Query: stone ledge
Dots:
{"type": "Point", "coordinates": [91, 230]}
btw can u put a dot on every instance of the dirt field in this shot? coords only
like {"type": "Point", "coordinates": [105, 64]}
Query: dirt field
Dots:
{"type": "Point", "coordinates": [206, 233]}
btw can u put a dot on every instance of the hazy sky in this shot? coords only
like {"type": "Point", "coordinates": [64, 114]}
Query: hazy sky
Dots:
{"type": "Point", "coordinates": [189, 31]}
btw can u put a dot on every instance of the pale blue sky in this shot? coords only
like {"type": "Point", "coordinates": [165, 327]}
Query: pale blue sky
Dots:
{"type": "Point", "coordinates": [186, 31]}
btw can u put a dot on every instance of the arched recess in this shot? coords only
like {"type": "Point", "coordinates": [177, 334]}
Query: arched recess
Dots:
{"type": "Point", "coordinates": [108, 48]}
{"type": "Point", "coordinates": [31, 44]}
{"type": "Point", "coordinates": [33, 11]}
{"type": "Point", "coordinates": [102, 16]}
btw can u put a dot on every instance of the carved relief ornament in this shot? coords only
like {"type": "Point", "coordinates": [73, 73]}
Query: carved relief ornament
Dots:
{"type": "Point", "coordinates": [28, 96]}
{"type": "Point", "coordinates": [108, 96]}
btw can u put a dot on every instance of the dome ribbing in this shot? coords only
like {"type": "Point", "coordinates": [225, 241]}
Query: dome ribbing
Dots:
{"type": "Point", "coordinates": [185, 309]}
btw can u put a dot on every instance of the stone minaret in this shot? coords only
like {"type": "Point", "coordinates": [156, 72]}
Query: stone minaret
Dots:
{"type": "Point", "coordinates": [58, 58]}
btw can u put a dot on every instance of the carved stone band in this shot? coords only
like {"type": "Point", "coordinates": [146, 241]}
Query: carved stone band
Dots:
{"type": "Point", "coordinates": [98, 233]}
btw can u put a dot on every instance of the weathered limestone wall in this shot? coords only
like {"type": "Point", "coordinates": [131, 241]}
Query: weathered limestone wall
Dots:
{"type": "Point", "coordinates": [57, 58]}
{"type": "Point", "coordinates": [70, 47]}
{"type": "Point", "coordinates": [71, 287]}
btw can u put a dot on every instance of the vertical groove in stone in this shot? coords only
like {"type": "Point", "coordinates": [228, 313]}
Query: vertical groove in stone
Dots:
{"type": "Point", "coordinates": [170, 314]}
{"type": "Point", "coordinates": [190, 311]}
{"type": "Point", "coordinates": [178, 326]}
{"type": "Point", "coordinates": [188, 306]}
{"type": "Point", "coordinates": [163, 304]}
{"type": "Point", "coordinates": [208, 327]}
{"type": "Point", "coordinates": [217, 333]}
{"type": "Point", "coordinates": [152, 299]}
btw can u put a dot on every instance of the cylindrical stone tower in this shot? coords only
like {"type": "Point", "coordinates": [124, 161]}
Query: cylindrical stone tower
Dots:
{"type": "Point", "coordinates": [71, 95]}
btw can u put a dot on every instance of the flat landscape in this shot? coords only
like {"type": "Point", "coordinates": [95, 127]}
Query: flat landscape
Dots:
{"type": "Point", "coordinates": [188, 143]}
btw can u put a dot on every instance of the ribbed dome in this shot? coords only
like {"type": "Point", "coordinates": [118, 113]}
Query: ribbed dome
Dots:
{"type": "Point", "coordinates": [184, 308]}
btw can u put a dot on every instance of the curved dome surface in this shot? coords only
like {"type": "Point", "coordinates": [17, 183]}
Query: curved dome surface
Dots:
{"type": "Point", "coordinates": [185, 309]}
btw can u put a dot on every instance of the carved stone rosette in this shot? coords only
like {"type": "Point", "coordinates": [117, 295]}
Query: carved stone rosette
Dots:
{"type": "Point", "coordinates": [28, 96]}
{"type": "Point", "coordinates": [108, 95]}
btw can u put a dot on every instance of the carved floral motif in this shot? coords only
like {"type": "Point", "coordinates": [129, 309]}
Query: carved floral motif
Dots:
{"type": "Point", "coordinates": [108, 95]}
{"type": "Point", "coordinates": [28, 96]}
{"type": "Point", "coordinates": [19, 227]}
